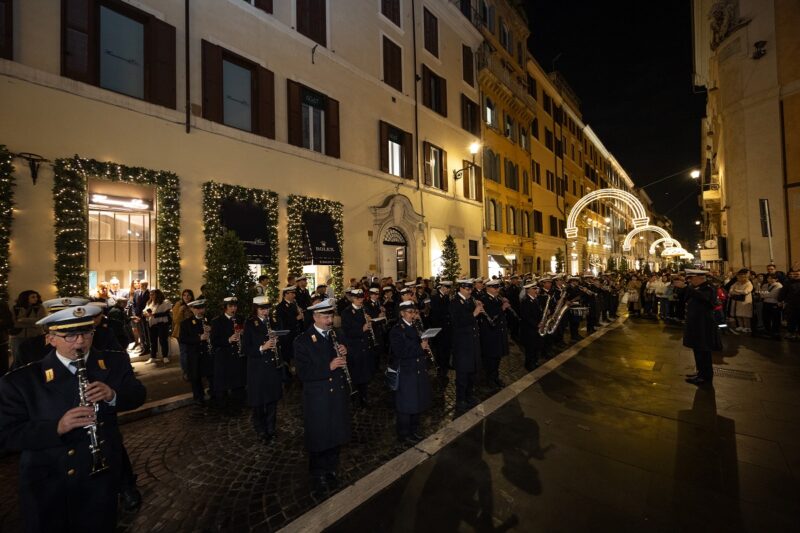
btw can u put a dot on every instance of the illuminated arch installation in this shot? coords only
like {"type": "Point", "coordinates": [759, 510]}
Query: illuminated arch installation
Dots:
{"type": "Point", "coordinates": [668, 243]}
{"type": "Point", "coordinates": [626, 245]}
{"type": "Point", "coordinates": [640, 217]}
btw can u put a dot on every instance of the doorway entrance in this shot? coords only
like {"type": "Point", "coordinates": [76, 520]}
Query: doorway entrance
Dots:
{"type": "Point", "coordinates": [394, 254]}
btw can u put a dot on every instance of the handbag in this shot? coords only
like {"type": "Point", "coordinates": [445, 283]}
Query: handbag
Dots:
{"type": "Point", "coordinates": [392, 378]}
{"type": "Point", "coordinates": [737, 297]}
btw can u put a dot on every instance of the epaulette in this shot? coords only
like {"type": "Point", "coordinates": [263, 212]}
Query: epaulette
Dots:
{"type": "Point", "coordinates": [13, 370]}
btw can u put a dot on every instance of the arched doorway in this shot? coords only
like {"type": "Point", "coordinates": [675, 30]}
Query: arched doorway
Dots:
{"type": "Point", "coordinates": [394, 253]}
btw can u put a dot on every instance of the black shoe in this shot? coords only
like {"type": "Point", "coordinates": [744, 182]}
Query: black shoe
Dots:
{"type": "Point", "coordinates": [499, 383]}
{"type": "Point", "coordinates": [472, 402]}
{"type": "Point", "coordinates": [131, 499]}
{"type": "Point", "coordinates": [697, 380]}
{"type": "Point", "coordinates": [461, 406]}
{"type": "Point", "coordinates": [319, 486]}
{"type": "Point", "coordinates": [332, 480]}
{"type": "Point", "coordinates": [417, 437]}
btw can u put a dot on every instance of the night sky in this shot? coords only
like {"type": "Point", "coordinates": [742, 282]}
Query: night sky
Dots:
{"type": "Point", "coordinates": [630, 62]}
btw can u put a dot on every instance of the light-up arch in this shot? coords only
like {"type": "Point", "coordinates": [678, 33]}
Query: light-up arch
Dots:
{"type": "Point", "coordinates": [640, 217]}
{"type": "Point", "coordinates": [668, 242]}
{"type": "Point", "coordinates": [626, 245]}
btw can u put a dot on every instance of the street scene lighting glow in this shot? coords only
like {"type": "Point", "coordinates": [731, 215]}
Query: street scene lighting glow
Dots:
{"type": "Point", "coordinates": [474, 148]}
{"type": "Point", "coordinates": [695, 174]}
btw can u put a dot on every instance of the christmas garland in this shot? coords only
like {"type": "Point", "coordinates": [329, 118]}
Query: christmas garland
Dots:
{"type": "Point", "coordinates": [6, 216]}
{"type": "Point", "coordinates": [295, 207]}
{"type": "Point", "coordinates": [70, 185]}
{"type": "Point", "coordinates": [213, 195]}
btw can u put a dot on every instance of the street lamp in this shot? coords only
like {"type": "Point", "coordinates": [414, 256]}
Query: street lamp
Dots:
{"type": "Point", "coordinates": [474, 148]}
{"type": "Point", "coordinates": [696, 222]}
{"type": "Point", "coordinates": [695, 174]}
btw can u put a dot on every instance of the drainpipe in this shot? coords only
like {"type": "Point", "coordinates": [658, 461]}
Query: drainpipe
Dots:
{"type": "Point", "coordinates": [187, 82]}
{"type": "Point", "coordinates": [416, 132]}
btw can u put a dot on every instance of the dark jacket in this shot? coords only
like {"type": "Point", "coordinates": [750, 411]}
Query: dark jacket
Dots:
{"type": "Point", "coordinates": [494, 333]}
{"type": "Point", "coordinates": [360, 357]}
{"type": "Point", "coordinates": [530, 313]}
{"type": "Point", "coordinates": [56, 492]}
{"type": "Point", "coordinates": [790, 294]}
{"type": "Point", "coordinates": [264, 369]}
{"type": "Point", "coordinates": [700, 331]}
{"type": "Point", "coordinates": [413, 393]}
{"type": "Point", "coordinates": [229, 368]}
{"type": "Point", "coordinates": [286, 319]}
{"type": "Point", "coordinates": [466, 341]}
{"type": "Point", "coordinates": [326, 397]}
{"type": "Point", "coordinates": [198, 356]}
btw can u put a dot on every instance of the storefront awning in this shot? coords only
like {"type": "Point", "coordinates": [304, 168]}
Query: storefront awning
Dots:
{"type": "Point", "coordinates": [322, 245]}
{"type": "Point", "coordinates": [249, 221]}
{"type": "Point", "coordinates": [500, 260]}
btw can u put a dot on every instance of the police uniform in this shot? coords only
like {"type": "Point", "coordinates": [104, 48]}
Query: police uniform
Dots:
{"type": "Point", "coordinates": [466, 346]}
{"type": "Point", "coordinates": [493, 335]}
{"type": "Point", "coordinates": [701, 332]}
{"type": "Point", "coordinates": [326, 401]}
{"type": "Point", "coordinates": [439, 317]}
{"type": "Point", "coordinates": [531, 316]}
{"type": "Point", "coordinates": [56, 492]}
{"type": "Point", "coordinates": [286, 319]}
{"type": "Point", "coordinates": [360, 357]}
{"type": "Point", "coordinates": [229, 368]}
{"type": "Point", "coordinates": [199, 364]}
{"type": "Point", "coordinates": [264, 373]}
{"type": "Point", "coordinates": [413, 394]}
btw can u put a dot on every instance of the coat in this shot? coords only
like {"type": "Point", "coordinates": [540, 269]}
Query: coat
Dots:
{"type": "Point", "coordinates": [229, 367]}
{"type": "Point", "coordinates": [56, 492]}
{"type": "Point", "coordinates": [264, 374]}
{"type": "Point", "coordinates": [530, 313]}
{"type": "Point", "coordinates": [198, 357]}
{"type": "Point", "coordinates": [360, 357]}
{"type": "Point", "coordinates": [494, 336]}
{"type": "Point", "coordinates": [326, 396]}
{"type": "Point", "coordinates": [700, 331]}
{"type": "Point", "coordinates": [439, 317]}
{"type": "Point", "coordinates": [286, 319]}
{"type": "Point", "coordinates": [741, 308]}
{"type": "Point", "coordinates": [413, 394]}
{"type": "Point", "coordinates": [466, 340]}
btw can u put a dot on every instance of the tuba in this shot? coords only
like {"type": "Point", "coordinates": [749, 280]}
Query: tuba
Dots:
{"type": "Point", "coordinates": [99, 462]}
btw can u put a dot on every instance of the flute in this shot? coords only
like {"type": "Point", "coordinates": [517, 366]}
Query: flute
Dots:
{"type": "Point", "coordinates": [346, 370]}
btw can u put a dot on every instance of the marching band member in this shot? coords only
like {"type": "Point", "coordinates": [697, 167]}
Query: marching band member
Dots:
{"type": "Point", "coordinates": [493, 332]}
{"type": "Point", "coordinates": [326, 397]}
{"type": "Point", "coordinates": [229, 379]}
{"type": "Point", "coordinates": [360, 357]}
{"type": "Point", "coordinates": [289, 317]}
{"type": "Point", "coordinates": [264, 369]}
{"type": "Point", "coordinates": [440, 318]}
{"type": "Point", "coordinates": [413, 394]}
{"type": "Point", "coordinates": [195, 338]}
{"type": "Point", "coordinates": [464, 311]}
{"type": "Point", "coordinates": [374, 309]}
{"type": "Point", "coordinates": [531, 317]}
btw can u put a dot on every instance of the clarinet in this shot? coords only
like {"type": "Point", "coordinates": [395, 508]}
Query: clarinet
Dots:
{"type": "Point", "coordinates": [372, 341]}
{"type": "Point", "coordinates": [335, 342]}
{"type": "Point", "coordinates": [239, 341]}
{"type": "Point", "coordinates": [418, 326]}
{"type": "Point", "coordinates": [276, 352]}
{"type": "Point", "coordinates": [99, 463]}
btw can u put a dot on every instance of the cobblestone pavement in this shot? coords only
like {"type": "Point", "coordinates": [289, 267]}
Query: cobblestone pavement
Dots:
{"type": "Point", "coordinates": [200, 470]}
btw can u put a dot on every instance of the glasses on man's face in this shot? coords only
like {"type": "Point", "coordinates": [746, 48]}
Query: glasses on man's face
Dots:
{"type": "Point", "coordinates": [72, 337]}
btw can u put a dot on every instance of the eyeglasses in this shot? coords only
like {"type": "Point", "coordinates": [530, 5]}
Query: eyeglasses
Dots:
{"type": "Point", "coordinates": [72, 337]}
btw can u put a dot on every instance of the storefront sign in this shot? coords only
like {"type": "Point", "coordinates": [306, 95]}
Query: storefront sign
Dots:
{"type": "Point", "coordinates": [321, 246]}
{"type": "Point", "coordinates": [249, 222]}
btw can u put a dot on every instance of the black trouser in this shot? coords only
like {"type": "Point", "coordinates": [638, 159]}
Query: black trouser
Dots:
{"type": "Point", "coordinates": [465, 382]}
{"type": "Point", "coordinates": [772, 318]}
{"type": "Point", "coordinates": [127, 477]}
{"type": "Point", "coordinates": [702, 361]}
{"type": "Point", "coordinates": [326, 461]}
{"type": "Point", "coordinates": [532, 349]}
{"type": "Point", "coordinates": [491, 366]}
{"type": "Point", "coordinates": [407, 424]}
{"type": "Point", "coordinates": [574, 324]}
{"type": "Point", "coordinates": [264, 418]}
{"type": "Point", "coordinates": [159, 336]}
{"type": "Point", "coordinates": [362, 391]}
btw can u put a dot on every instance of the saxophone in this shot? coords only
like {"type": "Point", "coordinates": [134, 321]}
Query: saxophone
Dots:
{"type": "Point", "coordinates": [549, 324]}
{"type": "Point", "coordinates": [99, 463]}
{"type": "Point", "coordinates": [543, 322]}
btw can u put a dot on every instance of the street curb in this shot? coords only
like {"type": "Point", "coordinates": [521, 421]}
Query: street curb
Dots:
{"type": "Point", "coordinates": [343, 502]}
{"type": "Point", "coordinates": [155, 408]}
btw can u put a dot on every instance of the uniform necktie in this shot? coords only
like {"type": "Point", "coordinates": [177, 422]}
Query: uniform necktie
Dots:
{"type": "Point", "coordinates": [73, 367]}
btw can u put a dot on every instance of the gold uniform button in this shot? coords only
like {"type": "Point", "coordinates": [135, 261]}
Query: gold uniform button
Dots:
{"type": "Point", "coordinates": [71, 453]}
{"type": "Point", "coordinates": [330, 379]}
{"type": "Point", "coordinates": [71, 472]}
{"type": "Point", "coordinates": [331, 390]}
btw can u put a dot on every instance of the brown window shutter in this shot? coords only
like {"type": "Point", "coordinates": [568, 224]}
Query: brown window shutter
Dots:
{"type": "Point", "coordinates": [79, 40]}
{"type": "Point", "coordinates": [383, 145]}
{"type": "Point", "coordinates": [332, 127]}
{"type": "Point", "coordinates": [212, 81]}
{"type": "Point", "coordinates": [294, 112]}
{"type": "Point", "coordinates": [7, 29]}
{"type": "Point", "coordinates": [465, 178]}
{"type": "Point", "coordinates": [478, 184]}
{"type": "Point", "coordinates": [311, 20]}
{"type": "Point", "coordinates": [443, 97]}
{"type": "Point", "coordinates": [161, 52]}
{"type": "Point", "coordinates": [467, 60]}
{"type": "Point", "coordinates": [392, 64]}
{"type": "Point", "coordinates": [464, 113]}
{"type": "Point", "coordinates": [445, 176]}
{"type": "Point", "coordinates": [426, 158]}
{"type": "Point", "coordinates": [264, 5]}
{"type": "Point", "coordinates": [426, 86]}
{"type": "Point", "coordinates": [408, 155]}
{"type": "Point", "coordinates": [266, 103]}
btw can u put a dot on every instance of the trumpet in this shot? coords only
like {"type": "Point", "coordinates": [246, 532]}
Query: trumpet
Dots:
{"type": "Point", "coordinates": [99, 462]}
{"type": "Point", "coordinates": [346, 370]}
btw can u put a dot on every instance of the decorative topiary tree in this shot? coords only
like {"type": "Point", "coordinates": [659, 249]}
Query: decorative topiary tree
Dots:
{"type": "Point", "coordinates": [623, 265]}
{"type": "Point", "coordinates": [559, 260]}
{"type": "Point", "coordinates": [610, 265]}
{"type": "Point", "coordinates": [451, 264]}
{"type": "Point", "coordinates": [228, 274]}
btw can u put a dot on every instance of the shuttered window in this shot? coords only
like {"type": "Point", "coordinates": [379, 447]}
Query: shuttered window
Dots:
{"type": "Point", "coordinates": [468, 64]}
{"type": "Point", "coordinates": [392, 64]}
{"type": "Point", "coordinates": [431, 28]}
{"type": "Point", "coordinates": [313, 119]}
{"type": "Point", "coordinates": [473, 181]}
{"type": "Point", "coordinates": [434, 91]}
{"type": "Point", "coordinates": [120, 48]}
{"type": "Point", "coordinates": [7, 29]}
{"type": "Point", "coordinates": [538, 224]}
{"type": "Point", "coordinates": [312, 20]}
{"type": "Point", "coordinates": [396, 149]}
{"type": "Point", "coordinates": [470, 120]}
{"type": "Point", "coordinates": [237, 92]}
{"type": "Point", "coordinates": [263, 5]}
{"type": "Point", "coordinates": [435, 166]}
{"type": "Point", "coordinates": [391, 10]}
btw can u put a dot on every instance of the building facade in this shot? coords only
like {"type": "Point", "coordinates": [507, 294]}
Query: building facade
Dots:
{"type": "Point", "coordinates": [746, 57]}
{"type": "Point", "coordinates": [279, 98]}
